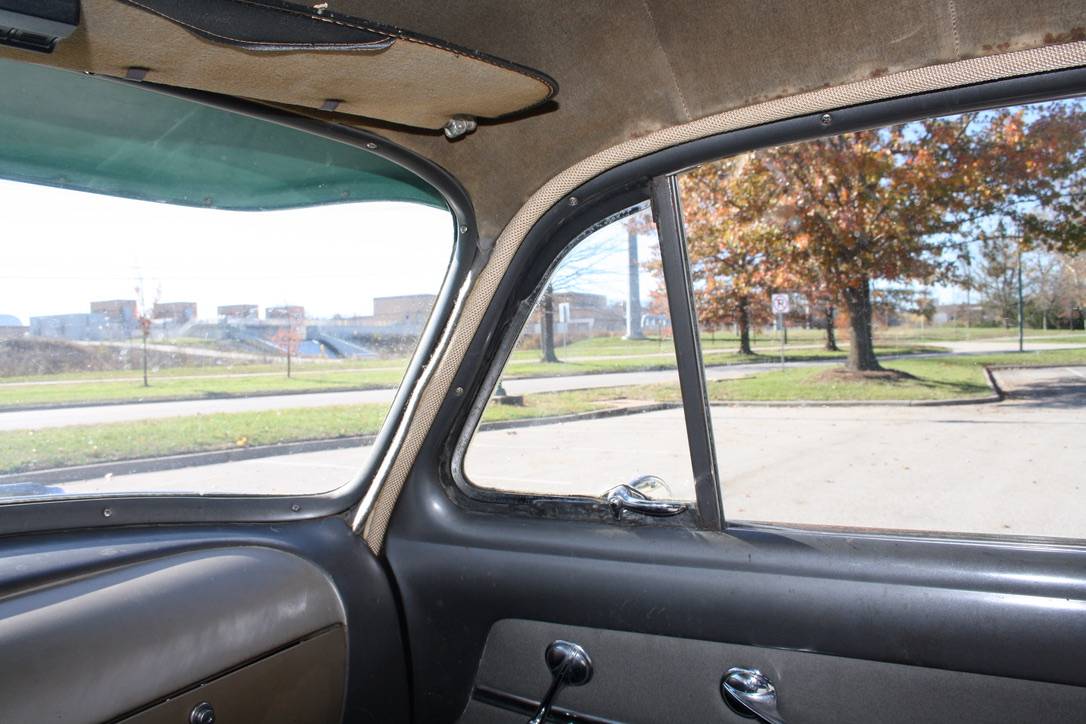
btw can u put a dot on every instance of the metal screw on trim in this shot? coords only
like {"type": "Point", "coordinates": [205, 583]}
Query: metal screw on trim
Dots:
{"type": "Point", "coordinates": [106, 512]}
{"type": "Point", "coordinates": [573, 201]}
{"type": "Point", "coordinates": [295, 507]}
{"type": "Point", "coordinates": [826, 119]}
{"type": "Point", "coordinates": [371, 146]}
{"type": "Point", "coordinates": [459, 125]}
{"type": "Point", "coordinates": [463, 229]}
{"type": "Point", "coordinates": [459, 391]}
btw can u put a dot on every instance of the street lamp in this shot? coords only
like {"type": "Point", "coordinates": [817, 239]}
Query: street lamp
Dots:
{"type": "Point", "coordinates": [1021, 306]}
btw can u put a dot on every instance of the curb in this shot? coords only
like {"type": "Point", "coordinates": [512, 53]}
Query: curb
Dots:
{"type": "Point", "coordinates": [177, 398]}
{"type": "Point", "coordinates": [864, 403]}
{"type": "Point", "coordinates": [214, 457]}
{"type": "Point", "coordinates": [997, 396]}
{"type": "Point", "coordinates": [172, 462]}
{"type": "Point", "coordinates": [577, 417]}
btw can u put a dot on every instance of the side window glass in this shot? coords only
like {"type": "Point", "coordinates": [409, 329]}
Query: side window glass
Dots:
{"type": "Point", "coordinates": [589, 397]}
{"type": "Point", "coordinates": [899, 315]}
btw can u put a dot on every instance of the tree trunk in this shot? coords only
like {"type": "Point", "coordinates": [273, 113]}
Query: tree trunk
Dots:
{"type": "Point", "coordinates": [861, 351]}
{"type": "Point", "coordinates": [831, 331]}
{"type": "Point", "coordinates": [546, 327]}
{"type": "Point", "coordinates": [145, 383]}
{"type": "Point", "coordinates": [633, 296]}
{"type": "Point", "coordinates": [744, 327]}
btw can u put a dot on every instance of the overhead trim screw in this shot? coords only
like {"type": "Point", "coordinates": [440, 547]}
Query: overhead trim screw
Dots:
{"type": "Point", "coordinates": [459, 391]}
{"type": "Point", "coordinates": [371, 146]}
{"type": "Point", "coordinates": [826, 119]}
{"type": "Point", "coordinates": [573, 201]}
{"type": "Point", "coordinates": [295, 507]}
{"type": "Point", "coordinates": [107, 512]}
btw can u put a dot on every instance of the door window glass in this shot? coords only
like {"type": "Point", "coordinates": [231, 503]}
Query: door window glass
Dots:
{"type": "Point", "coordinates": [893, 324]}
{"type": "Point", "coordinates": [589, 397]}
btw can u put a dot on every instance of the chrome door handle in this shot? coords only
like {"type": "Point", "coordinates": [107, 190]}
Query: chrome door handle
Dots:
{"type": "Point", "coordinates": [625, 497]}
{"type": "Point", "coordinates": [752, 690]}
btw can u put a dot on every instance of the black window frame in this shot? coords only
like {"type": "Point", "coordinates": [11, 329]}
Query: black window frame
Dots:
{"type": "Point", "coordinates": [652, 178]}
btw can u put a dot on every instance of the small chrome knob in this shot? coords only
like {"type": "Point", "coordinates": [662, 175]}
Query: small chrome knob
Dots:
{"type": "Point", "coordinates": [752, 692]}
{"type": "Point", "coordinates": [202, 713]}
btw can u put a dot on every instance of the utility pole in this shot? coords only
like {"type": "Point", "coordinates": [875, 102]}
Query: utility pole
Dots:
{"type": "Point", "coordinates": [633, 296]}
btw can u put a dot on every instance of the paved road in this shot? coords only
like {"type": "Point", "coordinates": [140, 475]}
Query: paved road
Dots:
{"type": "Point", "coordinates": [102, 414]}
{"type": "Point", "coordinates": [1009, 468]}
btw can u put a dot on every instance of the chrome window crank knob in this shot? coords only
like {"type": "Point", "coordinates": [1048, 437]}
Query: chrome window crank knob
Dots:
{"type": "Point", "coordinates": [570, 666]}
{"type": "Point", "coordinates": [751, 691]}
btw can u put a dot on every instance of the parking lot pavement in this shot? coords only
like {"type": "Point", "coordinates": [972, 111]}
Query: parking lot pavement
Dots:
{"type": "Point", "coordinates": [1010, 468]}
{"type": "Point", "coordinates": [1015, 467]}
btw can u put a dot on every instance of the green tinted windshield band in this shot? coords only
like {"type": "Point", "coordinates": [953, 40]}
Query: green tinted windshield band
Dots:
{"type": "Point", "coordinates": [75, 131]}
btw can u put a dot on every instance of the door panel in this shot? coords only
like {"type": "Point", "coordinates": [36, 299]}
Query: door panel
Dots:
{"type": "Point", "coordinates": [974, 607]}
{"type": "Point", "coordinates": [139, 622]}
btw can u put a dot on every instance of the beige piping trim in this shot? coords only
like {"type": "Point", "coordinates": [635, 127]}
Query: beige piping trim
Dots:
{"type": "Point", "coordinates": [920, 80]}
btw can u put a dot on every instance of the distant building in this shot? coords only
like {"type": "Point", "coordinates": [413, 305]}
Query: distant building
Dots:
{"type": "Point", "coordinates": [404, 309]}
{"type": "Point", "coordinates": [11, 327]}
{"type": "Point", "coordinates": [119, 313]}
{"type": "Point", "coordinates": [174, 311]}
{"type": "Point", "coordinates": [116, 310]}
{"type": "Point", "coordinates": [239, 311]}
{"type": "Point", "coordinates": [578, 315]}
{"type": "Point", "coordinates": [288, 311]}
{"type": "Point", "coordinates": [74, 327]}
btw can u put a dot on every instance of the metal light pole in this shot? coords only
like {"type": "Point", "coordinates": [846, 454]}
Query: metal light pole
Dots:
{"type": "Point", "coordinates": [1021, 306]}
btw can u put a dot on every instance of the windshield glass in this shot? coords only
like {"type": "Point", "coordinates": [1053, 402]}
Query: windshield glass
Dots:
{"type": "Point", "coordinates": [196, 301]}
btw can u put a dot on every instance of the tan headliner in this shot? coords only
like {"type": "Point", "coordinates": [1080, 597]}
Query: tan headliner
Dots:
{"type": "Point", "coordinates": [626, 68]}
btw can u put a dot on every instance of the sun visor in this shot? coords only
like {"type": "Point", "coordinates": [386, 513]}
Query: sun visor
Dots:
{"type": "Point", "coordinates": [299, 55]}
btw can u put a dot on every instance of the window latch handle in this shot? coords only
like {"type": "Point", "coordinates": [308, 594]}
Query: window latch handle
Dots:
{"type": "Point", "coordinates": [570, 666]}
{"type": "Point", "coordinates": [629, 497]}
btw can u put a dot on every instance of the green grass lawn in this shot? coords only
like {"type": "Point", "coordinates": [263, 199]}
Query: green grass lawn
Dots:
{"type": "Point", "coordinates": [242, 380]}
{"type": "Point", "coordinates": [195, 387]}
{"type": "Point", "coordinates": [532, 367]}
{"type": "Point", "coordinates": [936, 378]}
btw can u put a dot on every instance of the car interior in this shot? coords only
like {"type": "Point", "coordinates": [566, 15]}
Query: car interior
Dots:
{"type": "Point", "coordinates": [467, 563]}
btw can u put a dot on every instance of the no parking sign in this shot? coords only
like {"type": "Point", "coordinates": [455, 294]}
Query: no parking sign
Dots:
{"type": "Point", "coordinates": [781, 304]}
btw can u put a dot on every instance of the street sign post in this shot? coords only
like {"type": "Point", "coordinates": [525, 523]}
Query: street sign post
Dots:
{"type": "Point", "coordinates": [781, 306]}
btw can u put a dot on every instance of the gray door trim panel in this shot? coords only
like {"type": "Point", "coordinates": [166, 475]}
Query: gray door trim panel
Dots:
{"type": "Point", "coordinates": [90, 648]}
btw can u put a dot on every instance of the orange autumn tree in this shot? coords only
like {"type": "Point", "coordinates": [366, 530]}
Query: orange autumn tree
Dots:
{"type": "Point", "coordinates": [832, 216]}
{"type": "Point", "coordinates": [736, 241]}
